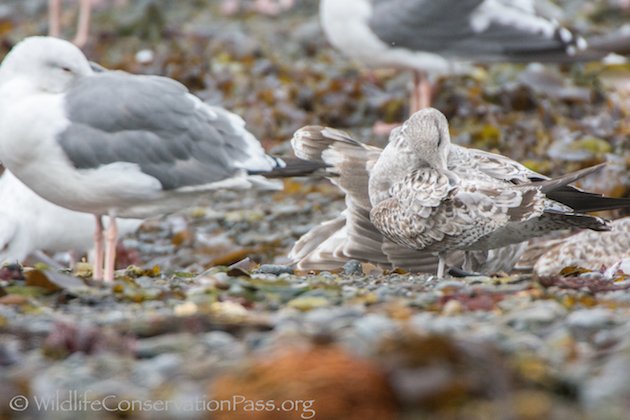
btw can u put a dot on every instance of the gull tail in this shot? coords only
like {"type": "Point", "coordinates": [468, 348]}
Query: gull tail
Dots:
{"type": "Point", "coordinates": [351, 235]}
{"type": "Point", "coordinates": [309, 142]}
{"type": "Point", "coordinates": [550, 185]}
{"type": "Point", "coordinates": [557, 189]}
{"type": "Point", "coordinates": [584, 202]}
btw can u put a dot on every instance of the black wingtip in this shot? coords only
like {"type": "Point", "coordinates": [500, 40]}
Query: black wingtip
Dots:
{"type": "Point", "coordinates": [290, 167]}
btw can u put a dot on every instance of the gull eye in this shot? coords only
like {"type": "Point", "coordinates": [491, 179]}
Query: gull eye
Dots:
{"type": "Point", "coordinates": [66, 69]}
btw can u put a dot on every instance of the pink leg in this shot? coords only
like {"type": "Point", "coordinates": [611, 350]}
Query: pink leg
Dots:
{"type": "Point", "coordinates": [381, 128]}
{"type": "Point", "coordinates": [110, 249]}
{"type": "Point", "coordinates": [287, 4]}
{"type": "Point", "coordinates": [273, 7]}
{"type": "Point", "coordinates": [267, 7]}
{"type": "Point", "coordinates": [54, 17]}
{"type": "Point", "coordinates": [97, 272]}
{"type": "Point", "coordinates": [421, 93]}
{"type": "Point", "coordinates": [230, 7]}
{"type": "Point", "coordinates": [83, 27]}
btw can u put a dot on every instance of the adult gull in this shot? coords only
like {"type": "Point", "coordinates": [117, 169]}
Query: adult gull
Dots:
{"type": "Point", "coordinates": [445, 36]}
{"type": "Point", "coordinates": [28, 223]}
{"type": "Point", "coordinates": [117, 144]}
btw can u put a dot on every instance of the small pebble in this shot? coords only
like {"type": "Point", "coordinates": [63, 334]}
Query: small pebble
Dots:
{"type": "Point", "coordinates": [352, 267]}
{"type": "Point", "coordinates": [275, 269]}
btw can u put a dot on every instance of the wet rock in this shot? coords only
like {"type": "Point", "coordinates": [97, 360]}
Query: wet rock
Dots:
{"type": "Point", "coordinates": [170, 343]}
{"type": "Point", "coordinates": [539, 313]}
{"type": "Point", "coordinates": [352, 267]}
{"type": "Point", "coordinates": [585, 322]}
{"type": "Point", "coordinates": [274, 269]}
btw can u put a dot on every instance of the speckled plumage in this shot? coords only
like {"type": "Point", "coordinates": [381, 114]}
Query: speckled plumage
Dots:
{"type": "Point", "coordinates": [352, 235]}
{"type": "Point", "coordinates": [426, 212]}
{"type": "Point", "coordinates": [423, 200]}
{"type": "Point", "coordinates": [588, 249]}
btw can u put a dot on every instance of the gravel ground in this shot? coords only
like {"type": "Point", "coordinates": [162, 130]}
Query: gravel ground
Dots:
{"type": "Point", "coordinates": [208, 320]}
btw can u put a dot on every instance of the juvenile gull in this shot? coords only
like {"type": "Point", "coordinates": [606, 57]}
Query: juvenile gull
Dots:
{"type": "Point", "coordinates": [353, 235]}
{"type": "Point", "coordinates": [420, 201]}
{"type": "Point", "coordinates": [28, 223]}
{"type": "Point", "coordinates": [445, 36]}
{"type": "Point", "coordinates": [112, 143]}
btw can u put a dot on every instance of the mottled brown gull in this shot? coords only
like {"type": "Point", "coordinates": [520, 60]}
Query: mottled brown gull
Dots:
{"type": "Point", "coordinates": [422, 201]}
{"type": "Point", "coordinates": [352, 235]}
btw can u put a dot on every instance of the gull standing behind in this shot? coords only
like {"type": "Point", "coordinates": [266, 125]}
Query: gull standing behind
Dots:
{"type": "Point", "coordinates": [446, 36]}
{"type": "Point", "coordinates": [117, 144]}
{"type": "Point", "coordinates": [420, 202]}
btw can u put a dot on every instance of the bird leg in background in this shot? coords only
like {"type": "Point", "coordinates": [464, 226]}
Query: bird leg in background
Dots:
{"type": "Point", "coordinates": [273, 7]}
{"type": "Point", "coordinates": [421, 93]}
{"type": "Point", "coordinates": [54, 17]}
{"type": "Point", "coordinates": [83, 27]}
{"type": "Point", "coordinates": [97, 271]}
{"type": "Point", "coordinates": [111, 238]}
{"type": "Point", "coordinates": [266, 7]}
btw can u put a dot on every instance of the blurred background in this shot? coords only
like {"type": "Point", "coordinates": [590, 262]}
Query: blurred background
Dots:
{"type": "Point", "coordinates": [376, 347]}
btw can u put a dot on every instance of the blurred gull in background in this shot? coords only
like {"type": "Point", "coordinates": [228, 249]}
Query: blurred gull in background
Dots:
{"type": "Point", "coordinates": [447, 36]}
{"type": "Point", "coordinates": [28, 223]}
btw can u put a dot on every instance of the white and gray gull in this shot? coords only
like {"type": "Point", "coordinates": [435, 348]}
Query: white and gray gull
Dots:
{"type": "Point", "coordinates": [446, 36]}
{"type": "Point", "coordinates": [420, 201]}
{"type": "Point", "coordinates": [117, 144]}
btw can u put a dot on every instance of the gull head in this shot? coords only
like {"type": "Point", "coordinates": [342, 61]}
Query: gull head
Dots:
{"type": "Point", "coordinates": [48, 64]}
{"type": "Point", "coordinates": [424, 138]}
